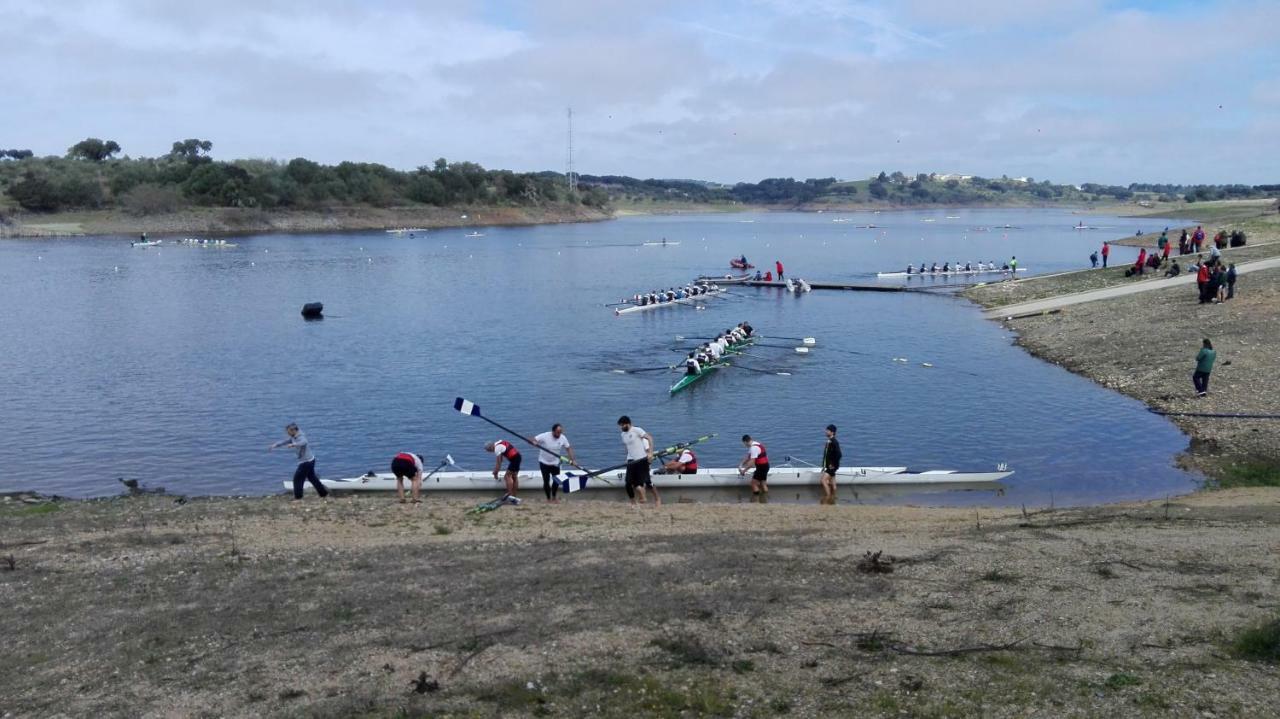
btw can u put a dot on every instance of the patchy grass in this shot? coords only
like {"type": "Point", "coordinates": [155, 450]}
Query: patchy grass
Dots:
{"type": "Point", "coordinates": [35, 510]}
{"type": "Point", "coordinates": [1259, 643]}
{"type": "Point", "coordinates": [1250, 473]}
{"type": "Point", "coordinates": [998, 577]}
{"type": "Point", "coordinates": [442, 530]}
{"type": "Point", "coordinates": [688, 651]}
{"type": "Point", "coordinates": [1121, 680]}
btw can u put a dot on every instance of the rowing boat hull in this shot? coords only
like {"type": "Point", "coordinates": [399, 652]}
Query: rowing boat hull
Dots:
{"type": "Point", "coordinates": [658, 305]}
{"type": "Point", "coordinates": [704, 479]}
{"type": "Point", "coordinates": [725, 279]}
{"type": "Point", "coordinates": [952, 273]}
{"type": "Point", "coordinates": [688, 379]}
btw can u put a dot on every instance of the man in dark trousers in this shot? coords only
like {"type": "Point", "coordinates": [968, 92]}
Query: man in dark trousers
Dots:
{"type": "Point", "coordinates": [1106, 252]}
{"type": "Point", "coordinates": [778, 264]}
{"type": "Point", "coordinates": [1231, 282]}
{"type": "Point", "coordinates": [306, 471]}
{"type": "Point", "coordinates": [830, 463]}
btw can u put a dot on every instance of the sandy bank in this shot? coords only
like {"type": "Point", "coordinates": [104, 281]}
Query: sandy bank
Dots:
{"type": "Point", "coordinates": [203, 221]}
{"type": "Point", "coordinates": [146, 607]}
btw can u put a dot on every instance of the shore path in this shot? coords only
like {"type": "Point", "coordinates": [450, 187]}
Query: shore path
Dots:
{"type": "Point", "coordinates": [1054, 303]}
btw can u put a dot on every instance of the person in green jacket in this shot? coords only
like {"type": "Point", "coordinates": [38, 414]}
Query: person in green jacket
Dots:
{"type": "Point", "coordinates": [1204, 365]}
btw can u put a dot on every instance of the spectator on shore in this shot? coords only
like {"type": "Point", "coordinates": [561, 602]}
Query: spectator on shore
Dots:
{"type": "Point", "coordinates": [1174, 270]}
{"type": "Point", "coordinates": [1153, 261]}
{"type": "Point", "coordinates": [1163, 241]}
{"type": "Point", "coordinates": [1093, 258]}
{"type": "Point", "coordinates": [1197, 238]}
{"type": "Point", "coordinates": [1202, 281]}
{"type": "Point", "coordinates": [1183, 243]}
{"type": "Point", "coordinates": [1220, 282]}
{"type": "Point", "coordinates": [1140, 266]}
{"type": "Point", "coordinates": [1231, 282]}
{"type": "Point", "coordinates": [1215, 255]}
{"type": "Point", "coordinates": [1204, 365]}
{"type": "Point", "coordinates": [1106, 252]}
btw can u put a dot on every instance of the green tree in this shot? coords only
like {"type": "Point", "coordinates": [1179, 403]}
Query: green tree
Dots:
{"type": "Point", "coordinates": [877, 190]}
{"type": "Point", "coordinates": [93, 149]}
{"type": "Point", "coordinates": [191, 150]}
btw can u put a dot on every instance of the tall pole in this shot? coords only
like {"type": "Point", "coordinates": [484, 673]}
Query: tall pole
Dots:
{"type": "Point", "coordinates": [573, 181]}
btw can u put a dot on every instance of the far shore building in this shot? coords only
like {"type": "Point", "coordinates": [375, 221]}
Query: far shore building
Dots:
{"type": "Point", "coordinates": [953, 176]}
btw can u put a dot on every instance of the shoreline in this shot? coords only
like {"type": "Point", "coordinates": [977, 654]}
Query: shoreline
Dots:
{"type": "Point", "coordinates": [1117, 343]}
{"type": "Point", "coordinates": [238, 221]}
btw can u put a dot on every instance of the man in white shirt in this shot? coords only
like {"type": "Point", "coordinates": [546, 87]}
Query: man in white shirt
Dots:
{"type": "Point", "coordinates": [551, 447]}
{"type": "Point", "coordinates": [639, 444]}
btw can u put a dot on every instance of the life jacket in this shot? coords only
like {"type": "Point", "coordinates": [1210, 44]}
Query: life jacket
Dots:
{"type": "Point", "coordinates": [691, 467]}
{"type": "Point", "coordinates": [407, 457]}
{"type": "Point", "coordinates": [763, 459]}
{"type": "Point", "coordinates": [510, 452]}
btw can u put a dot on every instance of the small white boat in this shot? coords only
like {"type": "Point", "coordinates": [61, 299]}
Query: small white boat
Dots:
{"type": "Point", "coordinates": [949, 273]}
{"type": "Point", "coordinates": [691, 301]}
{"type": "Point", "coordinates": [703, 479]}
{"type": "Point", "coordinates": [797, 286]}
{"type": "Point", "coordinates": [476, 234]}
{"type": "Point", "coordinates": [726, 279]}
{"type": "Point", "coordinates": [402, 230]}
{"type": "Point", "coordinates": [146, 243]}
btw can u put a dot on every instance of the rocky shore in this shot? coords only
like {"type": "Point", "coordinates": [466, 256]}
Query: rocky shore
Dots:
{"type": "Point", "coordinates": [150, 606]}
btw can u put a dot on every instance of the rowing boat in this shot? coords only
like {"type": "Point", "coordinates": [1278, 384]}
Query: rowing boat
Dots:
{"type": "Point", "coordinates": [940, 273]}
{"type": "Point", "coordinates": [689, 379]}
{"type": "Point", "coordinates": [656, 305]}
{"type": "Point", "coordinates": [664, 243]}
{"type": "Point", "coordinates": [725, 279]}
{"type": "Point", "coordinates": [710, 478]}
{"type": "Point", "coordinates": [147, 243]}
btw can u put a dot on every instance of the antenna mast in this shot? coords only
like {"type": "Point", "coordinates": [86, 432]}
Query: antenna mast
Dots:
{"type": "Point", "coordinates": [573, 180]}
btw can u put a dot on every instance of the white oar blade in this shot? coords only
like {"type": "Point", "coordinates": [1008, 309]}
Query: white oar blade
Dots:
{"type": "Point", "coordinates": [466, 407]}
{"type": "Point", "coordinates": [802, 350]}
{"type": "Point", "coordinates": [448, 459]}
{"type": "Point", "coordinates": [810, 341]}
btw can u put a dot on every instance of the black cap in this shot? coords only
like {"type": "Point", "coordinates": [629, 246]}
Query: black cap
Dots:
{"type": "Point", "coordinates": [831, 428]}
{"type": "Point", "coordinates": [624, 419]}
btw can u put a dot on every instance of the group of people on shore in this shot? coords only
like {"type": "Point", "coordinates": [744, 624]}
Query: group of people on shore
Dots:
{"type": "Point", "coordinates": [711, 351]}
{"type": "Point", "coordinates": [554, 448]}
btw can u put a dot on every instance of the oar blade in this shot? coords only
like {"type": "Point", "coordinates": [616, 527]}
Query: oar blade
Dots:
{"type": "Point", "coordinates": [467, 407]}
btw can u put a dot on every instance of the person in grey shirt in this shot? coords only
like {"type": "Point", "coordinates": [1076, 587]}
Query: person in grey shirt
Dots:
{"type": "Point", "coordinates": [306, 471]}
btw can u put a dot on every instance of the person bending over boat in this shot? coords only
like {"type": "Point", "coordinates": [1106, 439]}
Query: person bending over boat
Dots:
{"type": "Point", "coordinates": [831, 457]}
{"type": "Point", "coordinates": [551, 446]}
{"type": "Point", "coordinates": [639, 445]}
{"type": "Point", "coordinates": [408, 465]}
{"type": "Point", "coordinates": [306, 470]}
{"type": "Point", "coordinates": [502, 449]}
{"type": "Point", "coordinates": [758, 459]}
{"type": "Point", "coordinates": [685, 463]}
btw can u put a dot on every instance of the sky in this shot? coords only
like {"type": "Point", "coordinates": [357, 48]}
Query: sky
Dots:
{"type": "Point", "coordinates": [1065, 90]}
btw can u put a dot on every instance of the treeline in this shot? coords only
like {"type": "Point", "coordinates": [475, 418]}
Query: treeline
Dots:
{"type": "Point", "coordinates": [90, 176]}
{"type": "Point", "coordinates": [1201, 193]}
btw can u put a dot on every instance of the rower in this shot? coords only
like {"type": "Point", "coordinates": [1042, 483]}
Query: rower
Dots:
{"type": "Point", "coordinates": [758, 458]}
{"type": "Point", "coordinates": [946, 267]}
{"type": "Point", "coordinates": [714, 350]}
{"type": "Point", "coordinates": [502, 449]}
{"type": "Point", "coordinates": [747, 328]}
{"type": "Point", "coordinates": [691, 365]}
{"type": "Point", "coordinates": [967, 267]}
{"type": "Point", "coordinates": [685, 463]}
{"type": "Point", "coordinates": [910, 270]}
{"type": "Point", "coordinates": [934, 269]}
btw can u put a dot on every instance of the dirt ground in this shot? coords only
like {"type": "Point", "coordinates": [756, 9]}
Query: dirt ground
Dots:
{"type": "Point", "coordinates": [153, 606]}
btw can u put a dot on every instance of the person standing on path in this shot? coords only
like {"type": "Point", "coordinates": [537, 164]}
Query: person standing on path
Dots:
{"type": "Point", "coordinates": [1197, 238]}
{"type": "Point", "coordinates": [1013, 267]}
{"type": "Point", "coordinates": [551, 446]}
{"type": "Point", "coordinates": [502, 449]}
{"type": "Point", "coordinates": [1164, 249]}
{"type": "Point", "coordinates": [1204, 365]}
{"type": "Point", "coordinates": [639, 445]}
{"type": "Point", "coordinates": [1106, 252]}
{"type": "Point", "coordinates": [758, 458]}
{"type": "Point", "coordinates": [830, 464]}
{"type": "Point", "coordinates": [306, 471]}
{"type": "Point", "coordinates": [408, 465]}
{"type": "Point", "coordinates": [1231, 282]}
{"type": "Point", "coordinates": [1202, 281]}
{"type": "Point", "coordinates": [778, 264]}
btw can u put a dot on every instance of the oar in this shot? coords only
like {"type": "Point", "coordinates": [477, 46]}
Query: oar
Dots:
{"type": "Point", "coordinates": [805, 340]}
{"type": "Point", "coordinates": [471, 408]}
{"type": "Point", "coordinates": [666, 452]}
{"type": "Point", "coordinates": [447, 461]}
{"type": "Point", "coordinates": [753, 369]}
{"type": "Point", "coordinates": [642, 369]}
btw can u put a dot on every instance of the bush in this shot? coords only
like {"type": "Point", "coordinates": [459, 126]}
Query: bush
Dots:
{"type": "Point", "coordinates": [1259, 643]}
{"type": "Point", "coordinates": [150, 199]}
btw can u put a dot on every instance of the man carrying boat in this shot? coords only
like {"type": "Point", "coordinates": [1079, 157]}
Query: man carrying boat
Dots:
{"type": "Point", "coordinates": [756, 459]}
{"type": "Point", "coordinates": [639, 444]}
{"type": "Point", "coordinates": [551, 446]}
{"type": "Point", "coordinates": [408, 465]}
{"type": "Point", "coordinates": [830, 464]}
{"type": "Point", "coordinates": [502, 449]}
{"type": "Point", "coordinates": [684, 463]}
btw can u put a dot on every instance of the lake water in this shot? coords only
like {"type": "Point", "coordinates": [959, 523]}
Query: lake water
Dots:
{"type": "Point", "coordinates": [178, 365]}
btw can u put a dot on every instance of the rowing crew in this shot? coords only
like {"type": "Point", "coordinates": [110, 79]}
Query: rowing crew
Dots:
{"type": "Point", "coordinates": [671, 294]}
{"type": "Point", "coordinates": [948, 267]}
{"type": "Point", "coordinates": [709, 353]}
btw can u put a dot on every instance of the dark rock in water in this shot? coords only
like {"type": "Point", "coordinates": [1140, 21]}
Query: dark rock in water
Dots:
{"type": "Point", "coordinates": [313, 310]}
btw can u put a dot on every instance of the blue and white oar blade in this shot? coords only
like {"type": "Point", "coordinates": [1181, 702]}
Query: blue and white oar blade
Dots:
{"type": "Point", "coordinates": [466, 407]}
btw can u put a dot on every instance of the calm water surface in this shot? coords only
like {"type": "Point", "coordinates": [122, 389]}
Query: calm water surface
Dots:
{"type": "Point", "coordinates": [179, 365]}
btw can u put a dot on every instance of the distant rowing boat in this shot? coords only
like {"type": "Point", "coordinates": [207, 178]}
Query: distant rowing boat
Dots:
{"type": "Point", "coordinates": [402, 230]}
{"type": "Point", "coordinates": [725, 279]}
{"type": "Point", "coordinates": [476, 234]}
{"type": "Point", "coordinates": [710, 478]}
{"type": "Point", "coordinates": [949, 272]}
{"type": "Point", "coordinates": [689, 379]}
{"type": "Point", "coordinates": [657, 305]}
{"type": "Point", "coordinates": [147, 243]}
{"type": "Point", "coordinates": [664, 243]}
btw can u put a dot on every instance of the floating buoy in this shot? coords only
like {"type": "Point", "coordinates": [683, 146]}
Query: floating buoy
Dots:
{"type": "Point", "coordinates": [313, 310]}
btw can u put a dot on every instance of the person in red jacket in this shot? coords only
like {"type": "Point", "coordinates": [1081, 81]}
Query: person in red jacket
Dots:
{"type": "Point", "coordinates": [768, 277]}
{"type": "Point", "coordinates": [1202, 281]}
{"type": "Point", "coordinates": [1141, 265]}
{"type": "Point", "coordinates": [503, 449]}
{"type": "Point", "coordinates": [778, 264]}
{"type": "Point", "coordinates": [1106, 252]}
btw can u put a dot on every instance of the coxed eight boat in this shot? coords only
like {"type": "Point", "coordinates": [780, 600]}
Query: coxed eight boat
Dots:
{"type": "Point", "coordinates": [940, 273]}
{"type": "Point", "coordinates": [681, 301]}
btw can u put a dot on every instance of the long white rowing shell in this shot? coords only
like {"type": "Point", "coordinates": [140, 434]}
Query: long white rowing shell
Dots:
{"type": "Point", "coordinates": [703, 479]}
{"type": "Point", "coordinates": [685, 301]}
